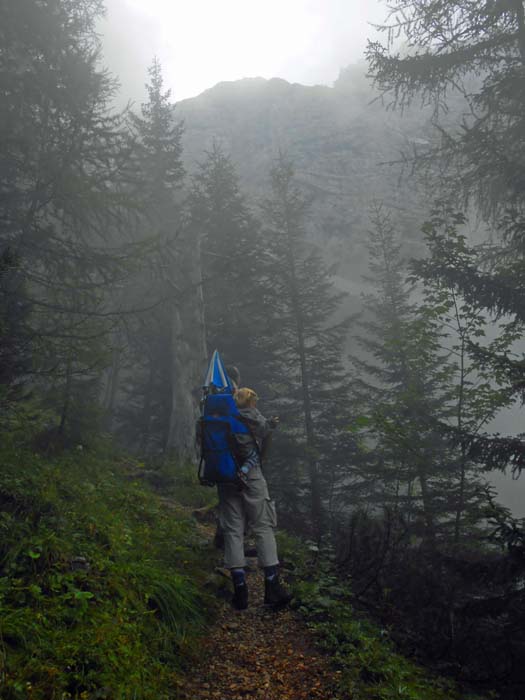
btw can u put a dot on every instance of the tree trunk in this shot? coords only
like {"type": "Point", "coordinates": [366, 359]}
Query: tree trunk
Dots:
{"type": "Point", "coordinates": [146, 407]}
{"type": "Point", "coordinates": [67, 396]}
{"type": "Point", "coordinates": [188, 348]}
{"type": "Point", "coordinates": [313, 467]}
{"type": "Point", "coordinates": [430, 530]}
{"type": "Point", "coordinates": [112, 384]}
{"type": "Point", "coordinates": [463, 463]}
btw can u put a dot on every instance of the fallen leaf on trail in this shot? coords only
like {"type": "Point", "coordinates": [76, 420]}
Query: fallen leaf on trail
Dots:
{"type": "Point", "coordinates": [260, 654]}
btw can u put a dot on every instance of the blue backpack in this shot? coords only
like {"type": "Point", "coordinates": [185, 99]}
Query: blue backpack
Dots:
{"type": "Point", "coordinates": [218, 426]}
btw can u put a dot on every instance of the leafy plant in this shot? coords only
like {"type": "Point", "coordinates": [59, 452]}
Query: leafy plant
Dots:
{"type": "Point", "coordinates": [371, 667]}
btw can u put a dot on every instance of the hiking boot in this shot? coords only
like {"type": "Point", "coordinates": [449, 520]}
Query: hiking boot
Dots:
{"type": "Point", "coordinates": [240, 596]}
{"type": "Point", "coordinates": [275, 594]}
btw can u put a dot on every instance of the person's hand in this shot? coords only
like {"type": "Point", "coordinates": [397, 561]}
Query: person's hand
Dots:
{"type": "Point", "coordinates": [273, 422]}
{"type": "Point", "coordinates": [241, 480]}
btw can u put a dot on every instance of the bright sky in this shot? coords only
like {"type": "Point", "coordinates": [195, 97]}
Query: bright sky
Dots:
{"type": "Point", "coordinates": [203, 42]}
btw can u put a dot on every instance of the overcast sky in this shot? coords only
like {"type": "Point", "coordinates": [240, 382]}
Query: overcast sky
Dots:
{"type": "Point", "coordinates": [203, 42]}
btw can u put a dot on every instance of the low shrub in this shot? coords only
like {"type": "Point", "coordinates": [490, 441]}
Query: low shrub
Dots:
{"type": "Point", "coordinates": [369, 666]}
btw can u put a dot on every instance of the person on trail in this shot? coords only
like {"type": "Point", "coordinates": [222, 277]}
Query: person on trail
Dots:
{"type": "Point", "coordinates": [247, 504]}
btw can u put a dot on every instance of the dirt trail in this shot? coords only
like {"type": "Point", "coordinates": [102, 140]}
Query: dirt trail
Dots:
{"type": "Point", "coordinates": [259, 653]}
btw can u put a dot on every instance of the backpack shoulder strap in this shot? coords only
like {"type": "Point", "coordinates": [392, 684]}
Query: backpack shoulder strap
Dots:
{"type": "Point", "coordinates": [246, 423]}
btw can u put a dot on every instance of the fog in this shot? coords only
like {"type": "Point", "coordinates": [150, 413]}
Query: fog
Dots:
{"type": "Point", "coordinates": [243, 269]}
{"type": "Point", "coordinates": [202, 43]}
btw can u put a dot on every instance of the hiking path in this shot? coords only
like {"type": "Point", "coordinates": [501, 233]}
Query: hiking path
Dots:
{"type": "Point", "coordinates": [259, 653]}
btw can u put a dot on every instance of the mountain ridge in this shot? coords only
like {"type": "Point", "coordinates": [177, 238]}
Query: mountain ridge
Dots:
{"type": "Point", "coordinates": [338, 139]}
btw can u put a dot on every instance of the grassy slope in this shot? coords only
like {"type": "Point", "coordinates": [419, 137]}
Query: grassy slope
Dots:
{"type": "Point", "coordinates": [121, 621]}
{"type": "Point", "coordinates": [103, 590]}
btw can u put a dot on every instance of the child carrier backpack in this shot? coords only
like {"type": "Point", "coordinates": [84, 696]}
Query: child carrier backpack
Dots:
{"type": "Point", "coordinates": [218, 426]}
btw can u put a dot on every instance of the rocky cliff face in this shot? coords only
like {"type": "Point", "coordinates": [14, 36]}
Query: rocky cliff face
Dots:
{"type": "Point", "coordinates": [339, 140]}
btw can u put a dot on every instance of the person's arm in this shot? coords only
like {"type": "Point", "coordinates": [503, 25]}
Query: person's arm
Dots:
{"type": "Point", "coordinates": [262, 426]}
{"type": "Point", "coordinates": [272, 424]}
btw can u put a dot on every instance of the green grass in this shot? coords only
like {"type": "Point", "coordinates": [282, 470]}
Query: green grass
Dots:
{"type": "Point", "coordinates": [369, 668]}
{"type": "Point", "coordinates": [187, 490]}
{"type": "Point", "coordinates": [101, 583]}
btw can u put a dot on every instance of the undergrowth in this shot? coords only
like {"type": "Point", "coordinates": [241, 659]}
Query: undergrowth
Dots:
{"type": "Point", "coordinates": [103, 588]}
{"type": "Point", "coordinates": [102, 583]}
{"type": "Point", "coordinates": [369, 666]}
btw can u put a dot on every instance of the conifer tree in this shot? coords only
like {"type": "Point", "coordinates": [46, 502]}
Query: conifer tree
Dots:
{"type": "Point", "coordinates": [232, 264]}
{"type": "Point", "coordinates": [144, 410]}
{"type": "Point", "coordinates": [65, 169]}
{"type": "Point", "coordinates": [167, 341]}
{"type": "Point", "coordinates": [477, 393]}
{"type": "Point", "coordinates": [160, 155]}
{"type": "Point", "coordinates": [15, 333]}
{"type": "Point", "coordinates": [483, 282]}
{"type": "Point", "coordinates": [309, 386]}
{"type": "Point", "coordinates": [476, 50]}
{"type": "Point", "coordinates": [419, 385]}
{"type": "Point", "coordinates": [402, 382]}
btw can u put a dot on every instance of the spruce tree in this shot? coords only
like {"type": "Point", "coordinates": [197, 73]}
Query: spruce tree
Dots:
{"type": "Point", "coordinates": [309, 385]}
{"type": "Point", "coordinates": [167, 341]}
{"type": "Point", "coordinates": [484, 283]}
{"type": "Point", "coordinates": [420, 386]}
{"type": "Point", "coordinates": [480, 49]}
{"type": "Point", "coordinates": [232, 264]}
{"type": "Point", "coordinates": [143, 411]}
{"type": "Point", "coordinates": [65, 170]}
{"type": "Point", "coordinates": [403, 383]}
{"type": "Point", "coordinates": [473, 51]}
{"type": "Point", "coordinates": [15, 333]}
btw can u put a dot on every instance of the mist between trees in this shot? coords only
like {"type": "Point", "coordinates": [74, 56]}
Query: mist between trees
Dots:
{"type": "Point", "coordinates": [120, 272]}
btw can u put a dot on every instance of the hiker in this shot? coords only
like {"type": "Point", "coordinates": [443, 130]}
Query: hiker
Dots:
{"type": "Point", "coordinates": [247, 503]}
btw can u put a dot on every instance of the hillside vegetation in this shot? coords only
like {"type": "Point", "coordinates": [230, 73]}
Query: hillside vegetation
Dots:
{"type": "Point", "coordinates": [107, 588]}
{"type": "Point", "coordinates": [102, 583]}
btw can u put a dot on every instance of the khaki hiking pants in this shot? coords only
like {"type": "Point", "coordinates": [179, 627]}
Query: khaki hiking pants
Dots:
{"type": "Point", "coordinates": [251, 509]}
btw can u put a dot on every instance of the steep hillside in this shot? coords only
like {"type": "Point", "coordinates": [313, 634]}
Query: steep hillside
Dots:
{"type": "Point", "coordinates": [109, 590]}
{"type": "Point", "coordinates": [104, 586]}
